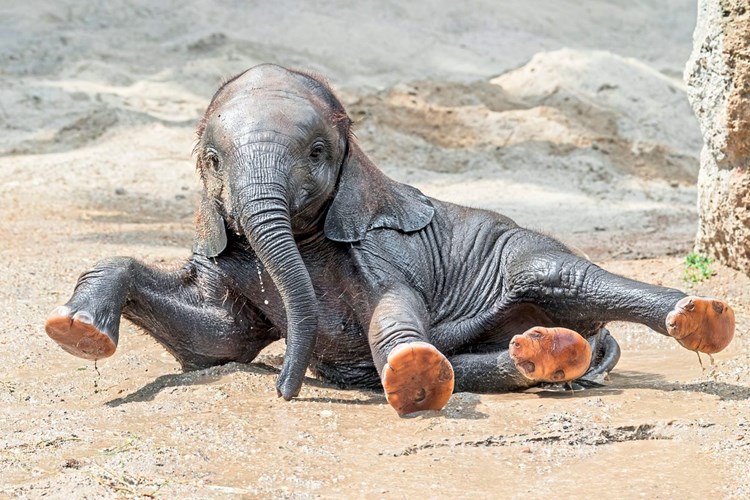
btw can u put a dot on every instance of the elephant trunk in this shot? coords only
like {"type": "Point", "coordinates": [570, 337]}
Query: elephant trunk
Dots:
{"type": "Point", "coordinates": [265, 220]}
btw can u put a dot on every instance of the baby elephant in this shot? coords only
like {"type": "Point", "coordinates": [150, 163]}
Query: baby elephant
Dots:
{"type": "Point", "coordinates": [300, 236]}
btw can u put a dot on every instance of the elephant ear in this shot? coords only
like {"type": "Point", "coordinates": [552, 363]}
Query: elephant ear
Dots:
{"type": "Point", "coordinates": [367, 199]}
{"type": "Point", "coordinates": [211, 233]}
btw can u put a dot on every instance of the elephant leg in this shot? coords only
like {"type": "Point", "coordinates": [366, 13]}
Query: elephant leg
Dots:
{"type": "Point", "coordinates": [605, 353]}
{"type": "Point", "coordinates": [506, 370]}
{"type": "Point", "coordinates": [415, 375]}
{"type": "Point", "coordinates": [190, 311]}
{"type": "Point", "coordinates": [572, 290]}
{"type": "Point", "coordinates": [488, 372]}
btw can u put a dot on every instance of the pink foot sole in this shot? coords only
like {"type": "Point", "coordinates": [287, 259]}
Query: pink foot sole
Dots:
{"type": "Point", "coordinates": [77, 334]}
{"type": "Point", "coordinates": [417, 377]}
{"type": "Point", "coordinates": [550, 354]}
{"type": "Point", "coordinates": [701, 324]}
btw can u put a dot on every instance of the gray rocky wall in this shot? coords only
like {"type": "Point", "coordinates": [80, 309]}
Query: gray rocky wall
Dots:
{"type": "Point", "coordinates": [718, 80]}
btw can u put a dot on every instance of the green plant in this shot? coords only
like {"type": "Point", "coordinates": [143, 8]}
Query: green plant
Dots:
{"type": "Point", "coordinates": [697, 268]}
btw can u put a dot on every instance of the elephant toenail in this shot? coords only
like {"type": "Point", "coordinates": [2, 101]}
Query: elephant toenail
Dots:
{"type": "Point", "coordinates": [84, 317]}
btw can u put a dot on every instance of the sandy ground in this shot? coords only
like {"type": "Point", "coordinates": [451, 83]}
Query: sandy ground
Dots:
{"type": "Point", "coordinates": [568, 116]}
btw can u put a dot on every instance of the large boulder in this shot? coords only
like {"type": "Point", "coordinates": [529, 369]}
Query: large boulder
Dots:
{"type": "Point", "coordinates": [718, 79]}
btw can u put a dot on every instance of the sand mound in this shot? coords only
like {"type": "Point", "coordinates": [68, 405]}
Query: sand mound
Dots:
{"type": "Point", "coordinates": [636, 118]}
{"type": "Point", "coordinates": [647, 108]}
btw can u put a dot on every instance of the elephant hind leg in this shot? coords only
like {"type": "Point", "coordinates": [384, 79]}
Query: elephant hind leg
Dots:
{"type": "Point", "coordinates": [605, 355]}
{"type": "Point", "coordinates": [701, 324]}
{"type": "Point", "coordinates": [488, 372]}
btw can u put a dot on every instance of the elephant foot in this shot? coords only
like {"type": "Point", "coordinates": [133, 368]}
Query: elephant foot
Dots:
{"type": "Point", "coordinates": [701, 324]}
{"type": "Point", "coordinates": [550, 354]}
{"type": "Point", "coordinates": [76, 334]}
{"type": "Point", "coordinates": [417, 377]}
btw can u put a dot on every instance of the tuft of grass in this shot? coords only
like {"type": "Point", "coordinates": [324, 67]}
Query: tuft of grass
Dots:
{"type": "Point", "coordinates": [697, 268]}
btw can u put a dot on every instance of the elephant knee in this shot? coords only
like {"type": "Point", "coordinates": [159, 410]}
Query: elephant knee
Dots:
{"type": "Point", "coordinates": [110, 267]}
{"type": "Point", "coordinates": [547, 275]}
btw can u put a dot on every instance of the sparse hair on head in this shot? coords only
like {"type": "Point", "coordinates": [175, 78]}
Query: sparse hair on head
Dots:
{"type": "Point", "coordinates": [315, 82]}
{"type": "Point", "coordinates": [324, 90]}
{"type": "Point", "coordinates": [201, 126]}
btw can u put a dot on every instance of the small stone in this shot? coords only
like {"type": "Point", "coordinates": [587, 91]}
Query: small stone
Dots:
{"type": "Point", "coordinates": [72, 463]}
{"type": "Point", "coordinates": [120, 191]}
{"type": "Point", "coordinates": [526, 450]}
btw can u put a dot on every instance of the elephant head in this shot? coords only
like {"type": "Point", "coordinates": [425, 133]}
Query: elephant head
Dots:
{"type": "Point", "coordinates": [278, 163]}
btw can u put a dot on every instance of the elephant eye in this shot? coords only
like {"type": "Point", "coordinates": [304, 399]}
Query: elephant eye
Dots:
{"type": "Point", "coordinates": [212, 160]}
{"type": "Point", "coordinates": [317, 150]}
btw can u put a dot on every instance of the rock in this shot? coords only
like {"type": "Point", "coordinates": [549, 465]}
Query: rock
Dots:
{"type": "Point", "coordinates": [718, 79]}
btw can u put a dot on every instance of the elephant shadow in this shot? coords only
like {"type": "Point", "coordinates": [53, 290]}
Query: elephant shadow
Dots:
{"type": "Point", "coordinates": [209, 375]}
{"type": "Point", "coordinates": [623, 380]}
{"type": "Point", "coordinates": [629, 379]}
{"type": "Point", "coordinates": [461, 406]}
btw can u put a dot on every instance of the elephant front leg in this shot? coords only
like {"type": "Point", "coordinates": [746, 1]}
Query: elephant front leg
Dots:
{"type": "Point", "coordinates": [196, 317]}
{"type": "Point", "coordinates": [88, 325]}
{"type": "Point", "coordinates": [415, 375]}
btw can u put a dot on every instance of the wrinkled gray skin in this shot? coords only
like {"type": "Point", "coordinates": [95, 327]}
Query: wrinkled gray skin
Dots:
{"type": "Point", "coordinates": [300, 236]}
